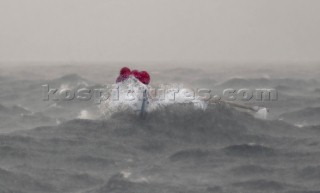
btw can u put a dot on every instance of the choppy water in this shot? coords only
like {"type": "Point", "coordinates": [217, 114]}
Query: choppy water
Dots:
{"type": "Point", "coordinates": [175, 149]}
{"type": "Point", "coordinates": [68, 147]}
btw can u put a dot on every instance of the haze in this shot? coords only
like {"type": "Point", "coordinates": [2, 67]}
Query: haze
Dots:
{"type": "Point", "coordinates": [75, 31]}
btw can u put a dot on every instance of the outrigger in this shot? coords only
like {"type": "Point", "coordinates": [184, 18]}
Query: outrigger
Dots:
{"type": "Point", "coordinates": [256, 111]}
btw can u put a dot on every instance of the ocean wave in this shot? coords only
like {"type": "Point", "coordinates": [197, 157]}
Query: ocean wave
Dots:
{"type": "Point", "coordinates": [262, 185]}
{"type": "Point", "coordinates": [249, 150]}
{"type": "Point", "coordinates": [190, 154]}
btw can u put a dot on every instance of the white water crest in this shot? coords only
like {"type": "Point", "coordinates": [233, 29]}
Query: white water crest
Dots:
{"type": "Point", "coordinates": [85, 114]}
{"type": "Point", "coordinates": [262, 113]}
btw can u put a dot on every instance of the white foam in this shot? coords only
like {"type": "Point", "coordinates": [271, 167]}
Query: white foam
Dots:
{"type": "Point", "coordinates": [84, 114]}
{"type": "Point", "coordinates": [262, 113]}
{"type": "Point", "coordinates": [126, 174]}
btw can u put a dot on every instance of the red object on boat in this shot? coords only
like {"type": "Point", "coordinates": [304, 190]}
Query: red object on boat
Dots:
{"type": "Point", "coordinates": [136, 74]}
{"type": "Point", "coordinates": [142, 76]}
{"type": "Point", "coordinates": [125, 72]}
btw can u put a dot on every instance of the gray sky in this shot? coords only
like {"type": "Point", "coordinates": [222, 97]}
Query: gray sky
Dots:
{"type": "Point", "coordinates": [160, 30]}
